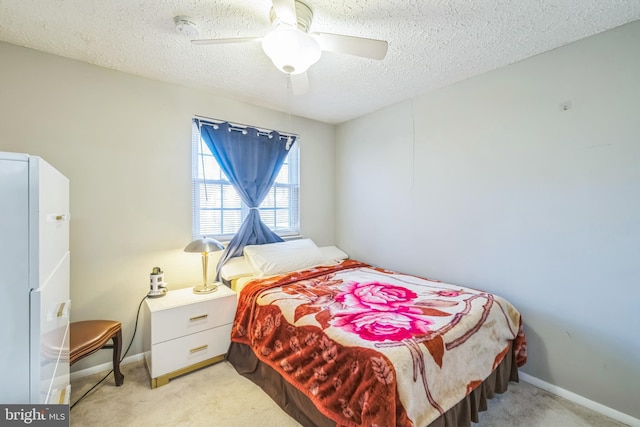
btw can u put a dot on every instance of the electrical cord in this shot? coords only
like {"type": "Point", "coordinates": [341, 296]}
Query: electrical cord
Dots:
{"type": "Point", "coordinates": [135, 328]}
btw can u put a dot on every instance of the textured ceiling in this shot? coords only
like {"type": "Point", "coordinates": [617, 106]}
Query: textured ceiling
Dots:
{"type": "Point", "coordinates": [431, 43]}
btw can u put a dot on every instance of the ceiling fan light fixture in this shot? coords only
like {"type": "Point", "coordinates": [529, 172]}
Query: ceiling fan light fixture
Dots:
{"type": "Point", "coordinates": [292, 51]}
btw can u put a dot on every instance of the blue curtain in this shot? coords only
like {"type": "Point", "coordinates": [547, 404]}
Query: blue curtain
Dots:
{"type": "Point", "coordinates": [251, 159]}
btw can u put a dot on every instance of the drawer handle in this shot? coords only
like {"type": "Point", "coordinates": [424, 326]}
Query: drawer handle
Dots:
{"type": "Point", "coordinates": [58, 217]}
{"type": "Point", "coordinates": [61, 310]}
{"type": "Point", "coordinates": [202, 316]}
{"type": "Point", "coordinates": [197, 349]}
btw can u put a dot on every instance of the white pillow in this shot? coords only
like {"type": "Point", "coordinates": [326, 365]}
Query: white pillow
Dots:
{"type": "Point", "coordinates": [283, 257]}
{"type": "Point", "coordinates": [240, 266]}
{"type": "Point", "coordinates": [236, 267]}
{"type": "Point", "coordinates": [333, 253]}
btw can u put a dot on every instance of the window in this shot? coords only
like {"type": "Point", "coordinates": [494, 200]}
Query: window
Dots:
{"type": "Point", "coordinates": [218, 211]}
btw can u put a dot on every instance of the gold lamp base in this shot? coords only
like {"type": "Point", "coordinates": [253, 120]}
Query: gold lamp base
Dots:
{"type": "Point", "coordinates": [205, 289]}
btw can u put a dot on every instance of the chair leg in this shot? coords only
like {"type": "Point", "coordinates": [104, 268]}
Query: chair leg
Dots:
{"type": "Point", "coordinates": [117, 348]}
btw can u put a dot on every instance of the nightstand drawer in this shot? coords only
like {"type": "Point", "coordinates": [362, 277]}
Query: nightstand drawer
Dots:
{"type": "Point", "coordinates": [176, 354]}
{"type": "Point", "coordinates": [203, 314]}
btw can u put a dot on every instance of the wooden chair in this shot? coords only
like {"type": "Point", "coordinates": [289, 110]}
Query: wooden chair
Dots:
{"type": "Point", "coordinates": [89, 336]}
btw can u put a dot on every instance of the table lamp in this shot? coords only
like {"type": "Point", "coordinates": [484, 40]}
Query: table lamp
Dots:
{"type": "Point", "coordinates": [204, 246]}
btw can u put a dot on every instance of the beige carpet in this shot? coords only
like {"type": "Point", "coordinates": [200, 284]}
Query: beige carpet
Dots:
{"type": "Point", "coordinates": [217, 396]}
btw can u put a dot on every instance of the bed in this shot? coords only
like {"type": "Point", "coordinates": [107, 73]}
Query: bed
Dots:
{"type": "Point", "coordinates": [339, 342]}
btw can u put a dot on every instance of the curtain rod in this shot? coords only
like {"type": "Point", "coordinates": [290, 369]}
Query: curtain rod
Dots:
{"type": "Point", "coordinates": [243, 126]}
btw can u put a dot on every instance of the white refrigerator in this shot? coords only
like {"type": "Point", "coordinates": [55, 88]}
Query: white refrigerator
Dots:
{"type": "Point", "coordinates": [34, 281]}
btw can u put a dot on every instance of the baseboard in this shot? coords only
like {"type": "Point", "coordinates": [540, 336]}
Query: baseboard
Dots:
{"type": "Point", "coordinates": [576, 398]}
{"type": "Point", "coordinates": [105, 367]}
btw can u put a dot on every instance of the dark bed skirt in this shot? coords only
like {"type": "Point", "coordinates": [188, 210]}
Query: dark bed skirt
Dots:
{"type": "Point", "coordinates": [300, 407]}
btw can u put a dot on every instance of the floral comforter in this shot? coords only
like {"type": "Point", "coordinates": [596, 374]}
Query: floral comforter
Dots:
{"type": "Point", "coordinates": [371, 347]}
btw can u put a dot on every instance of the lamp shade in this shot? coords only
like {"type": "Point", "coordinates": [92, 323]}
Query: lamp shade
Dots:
{"type": "Point", "coordinates": [205, 244]}
{"type": "Point", "coordinates": [292, 51]}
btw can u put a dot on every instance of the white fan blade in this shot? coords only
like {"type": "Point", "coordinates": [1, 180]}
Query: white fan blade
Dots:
{"type": "Point", "coordinates": [299, 83]}
{"type": "Point", "coordinates": [223, 41]}
{"type": "Point", "coordinates": [285, 10]}
{"type": "Point", "coordinates": [357, 46]}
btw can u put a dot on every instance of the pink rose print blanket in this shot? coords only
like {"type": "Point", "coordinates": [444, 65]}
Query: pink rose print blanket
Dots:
{"type": "Point", "coordinates": [371, 347]}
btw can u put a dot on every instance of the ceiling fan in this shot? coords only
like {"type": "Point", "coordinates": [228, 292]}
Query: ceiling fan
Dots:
{"type": "Point", "coordinates": [293, 49]}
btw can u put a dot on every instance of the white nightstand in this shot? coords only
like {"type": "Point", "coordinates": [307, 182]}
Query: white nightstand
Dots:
{"type": "Point", "coordinates": [183, 331]}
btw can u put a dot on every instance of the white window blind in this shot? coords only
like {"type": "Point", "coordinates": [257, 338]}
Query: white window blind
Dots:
{"type": "Point", "coordinates": [218, 211]}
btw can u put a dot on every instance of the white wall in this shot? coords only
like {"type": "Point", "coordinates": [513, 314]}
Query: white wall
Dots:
{"type": "Point", "coordinates": [125, 144]}
{"type": "Point", "coordinates": [489, 183]}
